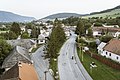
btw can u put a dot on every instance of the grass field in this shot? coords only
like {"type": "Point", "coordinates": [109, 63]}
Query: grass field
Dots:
{"type": "Point", "coordinates": [101, 72]}
{"type": "Point", "coordinates": [113, 14]}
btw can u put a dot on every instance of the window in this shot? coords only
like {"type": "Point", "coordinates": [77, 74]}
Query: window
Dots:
{"type": "Point", "coordinates": [106, 53]}
{"type": "Point", "coordinates": [117, 57]}
{"type": "Point", "coordinates": [109, 54]}
{"type": "Point", "coordinates": [99, 32]}
{"type": "Point", "coordinates": [41, 40]}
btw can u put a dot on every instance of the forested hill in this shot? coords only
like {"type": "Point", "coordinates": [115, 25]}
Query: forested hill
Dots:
{"type": "Point", "coordinates": [11, 17]}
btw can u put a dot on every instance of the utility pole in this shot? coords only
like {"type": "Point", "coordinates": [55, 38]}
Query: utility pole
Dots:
{"type": "Point", "coordinates": [82, 50]}
{"type": "Point", "coordinates": [45, 75]}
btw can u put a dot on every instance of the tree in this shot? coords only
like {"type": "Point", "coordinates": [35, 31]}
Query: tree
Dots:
{"type": "Point", "coordinates": [35, 32]}
{"type": "Point", "coordinates": [106, 38]}
{"type": "Point", "coordinates": [71, 21]}
{"type": "Point", "coordinates": [9, 35]}
{"type": "Point", "coordinates": [87, 25]}
{"type": "Point", "coordinates": [25, 35]}
{"type": "Point", "coordinates": [29, 26]}
{"type": "Point", "coordinates": [80, 28]}
{"type": "Point", "coordinates": [50, 22]}
{"type": "Point", "coordinates": [98, 24]}
{"type": "Point", "coordinates": [56, 21]}
{"type": "Point", "coordinates": [5, 49]}
{"type": "Point", "coordinates": [92, 45]}
{"type": "Point", "coordinates": [12, 35]}
{"type": "Point", "coordinates": [57, 39]}
{"type": "Point", "coordinates": [15, 28]}
{"type": "Point", "coordinates": [90, 33]}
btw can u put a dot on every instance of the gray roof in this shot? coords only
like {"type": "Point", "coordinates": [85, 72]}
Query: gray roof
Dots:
{"type": "Point", "coordinates": [102, 45]}
{"type": "Point", "coordinates": [18, 54]}
{"type": "Point", "coordinates": [24, 52]}
{"type": "Point", "coordinates": [41, 37]}
{"type": "Point", "coordinates": [26, 43]}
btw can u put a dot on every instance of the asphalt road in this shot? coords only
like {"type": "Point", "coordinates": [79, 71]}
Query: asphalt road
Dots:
{"type": "Point", "coordinates": [69, 65]}
{"type": "Point", "coordinates": [41, 65]}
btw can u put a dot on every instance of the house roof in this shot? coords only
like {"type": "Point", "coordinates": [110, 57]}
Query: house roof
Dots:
{"type": "Point", "coordinates": [26, 43]}
{"type": "Point", "coordinates": [41, 37]}
{"type": "Point", "coordinates": [27, 72]}
{"type": "Point", "coordinates": [11, 73]}
{"type": "Point", "coordinates": [102, 45]}
{"type": "Point", "coordinates": [113, 46]}
{"type": "Point", "coordinates": [24, 52]}
{"type": "Point", "coordinates": [21, 71]}
{"type": "Point", "coordinates": [17, 51]}
{"type": "Point", "coordinates": [110, 29]}
{"type": "Point", "coordinates": [111, 26]}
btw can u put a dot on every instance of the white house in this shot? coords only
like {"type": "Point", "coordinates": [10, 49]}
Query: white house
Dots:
{"type": "Point", "coordinates": [67, 33]}
{"type": "Point", "coordinates": [49, 26]}
{"type": "Point", "coordinates": [34, 45]}
{"type": "Point", "coordinates": [42, 31]}
{"type": "Point", "coordinates": [100, 48]}
{"type": "Point", "coordinates": [3, 26]}
{"type": "Point", "coordinates": [22, 29]}
{"type": "Point", "coordinates": [98, 31]}
{"type": "Point", "coordinates": [116, 34]}
{"type": "Point", "coordinates": [110, 50]}
{"type": "Point", "coordinates": [29, 31]}
{"type": "Point", "coordinates": [41, 39]}
{"type": "Point", "coordinates": [114, 26]}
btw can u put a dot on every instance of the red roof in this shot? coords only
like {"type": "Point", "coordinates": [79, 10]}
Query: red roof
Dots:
{"type": "Point", "coordinates": [113, 46]}
{"type": "Point", "coordinates": [110, 29]}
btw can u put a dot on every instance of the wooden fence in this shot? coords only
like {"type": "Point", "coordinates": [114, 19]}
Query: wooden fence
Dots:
{"type": "Point", "coordinates": [104, 60]}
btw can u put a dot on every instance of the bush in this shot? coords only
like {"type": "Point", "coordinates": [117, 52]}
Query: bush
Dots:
{"type": "Point", "coordinates": [82, 41]}
{"type": "Point", "coordinates": [98, 24]}
{"type": "Point", "coordinates": [92, 45]}
{"type": "Point", "coordinates": [106, 38]}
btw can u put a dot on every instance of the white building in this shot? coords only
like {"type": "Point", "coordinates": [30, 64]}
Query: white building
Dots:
{"type": "Point", "coordinates": [116, 34]}
{"type": "Point", "coordinates": [98, 31]}
{"type": "Point", "coordinates": [41, 39]}
{"type": "Point", "coordinates": [114, 26]}
{"type": "Point", "coordinates": [110, 50]}
{"type": "Point", "coordinates": [22, 29]}
{"type": "Point", "coordinates": [100, 48]}
{"type": "Point", "coordinates": [67, 33]}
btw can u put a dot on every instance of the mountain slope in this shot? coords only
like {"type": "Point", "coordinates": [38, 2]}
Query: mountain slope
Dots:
{"type": "Point", "coordinates": [62, 15]}
{"type": "Point", "coordinates": [11, 17]}
{"type": "Point", "coordinates": [113, 12]}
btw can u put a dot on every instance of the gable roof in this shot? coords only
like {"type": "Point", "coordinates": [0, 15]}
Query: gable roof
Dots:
{"type": "Point", "coordinates": [16, 53]}
{"type": "Point", "coordinates": [110, 29]}
{"type": "Point", "coordinates": [26, 43]}
{"type": "Point", "coordinates": [113, 46]}
{"type": "Point", "coordinates": [101, 45]}
{"type": "Point", "coordinates": [24, 52]}
{"type": "Point", "coordinates": [21, 71]}
{"type": "Point", "coordinates": [11, 73]}
{"type": "Point", "coordinates": [41, 37]}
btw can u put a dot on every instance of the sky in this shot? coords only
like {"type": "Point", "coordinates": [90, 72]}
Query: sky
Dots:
{"type": "Point", "coordinates": [43, 8]}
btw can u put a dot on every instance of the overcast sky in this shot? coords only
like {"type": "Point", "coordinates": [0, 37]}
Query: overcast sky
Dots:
{"type": "Point", "coordinates": [43, 8]}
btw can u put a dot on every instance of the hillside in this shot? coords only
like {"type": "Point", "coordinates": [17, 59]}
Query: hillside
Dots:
{"type": "Point", "coordinates": [62, 15]}
{"type": "Point", "coordinates": [11, 17]}
{"type": "Point", "coordinates": [113, 12]}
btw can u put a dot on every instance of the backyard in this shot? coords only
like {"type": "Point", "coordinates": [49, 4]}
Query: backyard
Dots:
{"type": "Point", "coordinates": [101, 72]}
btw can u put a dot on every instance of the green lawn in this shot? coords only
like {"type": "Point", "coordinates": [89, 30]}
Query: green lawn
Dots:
{"type": "Point", "coordinates": [102, 72]}
{"type": "Point", "coordinates": [53, 66]}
